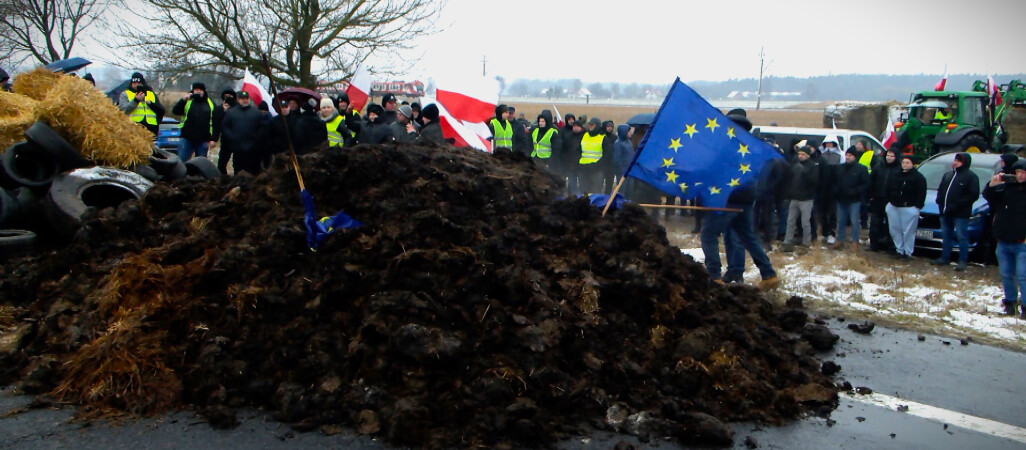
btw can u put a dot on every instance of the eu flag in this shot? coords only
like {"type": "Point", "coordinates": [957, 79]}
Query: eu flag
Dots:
{"type": "Point", "coordinates": [317, 231]}
{"type": "Point", "coordinates": [693, 151]}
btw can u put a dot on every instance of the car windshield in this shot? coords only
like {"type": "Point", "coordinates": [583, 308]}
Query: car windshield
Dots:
{"type": "Point", "coordinates": [933, 171]}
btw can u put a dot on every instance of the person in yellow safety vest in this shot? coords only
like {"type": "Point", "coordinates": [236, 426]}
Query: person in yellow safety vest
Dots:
{"type": "Point", "coordinates": [942, 115]}
{"type": "Point", "coordinates": [141, 104]}
{"type": "Point", "coordinates": [501, 128]}
{"type": "Point", "coordinates": [335, 124]}
{"type": "Point", "coordinates": [594, 146]}
{"type": "Point", "coordinates": [546, 141]}
{"type": "Point", "coordinates": [201, 122]}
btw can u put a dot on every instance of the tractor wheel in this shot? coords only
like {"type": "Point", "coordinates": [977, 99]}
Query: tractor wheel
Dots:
{"type": "Point", "coordinates": [972, 143]}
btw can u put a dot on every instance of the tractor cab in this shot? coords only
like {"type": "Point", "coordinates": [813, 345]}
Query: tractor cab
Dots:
{"type": "Point", "coordinates": [946, 121]}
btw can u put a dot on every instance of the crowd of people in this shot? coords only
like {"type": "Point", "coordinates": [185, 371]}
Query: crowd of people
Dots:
{"type": "Point", "coordinates": [811, 192]}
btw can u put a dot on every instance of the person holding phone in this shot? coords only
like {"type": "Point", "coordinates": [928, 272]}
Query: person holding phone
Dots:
{"type": "Point", "coordinates": [1006, 194]}
{"type": "Point", "coordinates": [141, 104]}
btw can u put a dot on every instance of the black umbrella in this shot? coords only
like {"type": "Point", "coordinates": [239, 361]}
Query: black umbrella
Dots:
{"type": "Point", "coordinates": [4, 76]}
{"type": "Point", "coordinates": [641, 119]}
{"type": "Point", "coordinates": [68, 65]}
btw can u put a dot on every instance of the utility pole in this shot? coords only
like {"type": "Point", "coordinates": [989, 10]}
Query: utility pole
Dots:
{"type": "Point", "coordinates": [762, 68]}
{"type": "Point", "coordinates": [484, 66]}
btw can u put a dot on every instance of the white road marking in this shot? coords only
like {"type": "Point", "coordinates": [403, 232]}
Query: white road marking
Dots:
{"type": "Point", "coordinates": [941, 415]}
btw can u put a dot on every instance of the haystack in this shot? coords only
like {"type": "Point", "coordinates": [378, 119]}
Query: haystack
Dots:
{"type": "Point", "coordinates": [35, 84]}
{"type": "Point", "coordinates": [17, 113]}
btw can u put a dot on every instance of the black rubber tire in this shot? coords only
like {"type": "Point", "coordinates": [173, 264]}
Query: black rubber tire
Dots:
{"type": "Point", "coordinates": [972, 143]}
{"type": "Point", "coordinates": [27, 165]}
{"type": "Point", "coordinates": [8, 207]}
{"type": "Point", "coordinates": [148, 172]}
{"type": "Point", "coordinates": [100, 187]}
{"type": "Point", "coordinates": [167, 164]}
{"type": "Point", "coordinates": [16, 242]}
{"type": "Point", "coordinates": [51, 142]}
{"type": "Point", "coordinates": [202, 167]}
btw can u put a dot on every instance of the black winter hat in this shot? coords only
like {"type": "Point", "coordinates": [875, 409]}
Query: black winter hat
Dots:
{"type": "Point", "coordinates": [607, 123]}
{"type": "Point", "coordinates": [1010, 159]}
{"type": "Point", "coordinates": [228, 91]}
{"type": "Point", "coordinates": [343, 97]}
{"type": "Point", "coordinates": [740, 119]}
{"type": "Point", "coordinates": [1019, 165]}
{"type": "Point", "coordinates": [263, 106]}
{"type": "Point", "coordinates": [737, 112]}
{"type": "Point", "coordinates": [415, 106]}
{"type": "Point", "coordinates": [376, 109]}
{"type": "Point", "coordinates": [501, 109]}
{"type": "Point", "coordinates": [852, 151]}
{"type": "Point", "coordinates": [199, 85]}
{"type": "Point", "coordinates": [596, 121]}
{"type": "Point", "coordinates": [243, 94]}
{"type": "Point", "coordinates": [138, 78]}
{"type": "Point", "coordinates": [387, 98]}
{"type": "Point", "coordinates": [430, 112]}
{"type": "Point", "coordinates": [908, 157]}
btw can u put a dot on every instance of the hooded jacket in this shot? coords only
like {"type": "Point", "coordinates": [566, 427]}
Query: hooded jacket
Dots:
{"type": "Point", "coordinates": [804, 180]}
{"type": "Point", "coordinates": [1008, 203]}
{"type": "Point", "coordinates": [774, 180]}
{"type": "Point", "coordinates": [958, 190]}
{"type": "Point", "coordinates": [878, 194]}
{"type": "Point", "coordinates": [196, 125]}
{"type": "Point", "coordinates": [376, 131]}
{"type": "Point", "coordinates": [623, 149]}
{"type": "Point", "coordinates": [906, 189]}
{"type": "Point", "coordinates": [851, 182]}
{"type": "Point", "coordinates": [538, 133]}
{"type": "Point", "coordinates": [1009, 159]}
{"type": "Point", "coordinates": [241, 128]}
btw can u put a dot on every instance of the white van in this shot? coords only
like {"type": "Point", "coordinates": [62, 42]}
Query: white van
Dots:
{"type": "Point", "coordinates": [787, 137]}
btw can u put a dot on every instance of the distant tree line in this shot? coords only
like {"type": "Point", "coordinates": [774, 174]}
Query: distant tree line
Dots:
{"type": "Point", "coordinates": [833, 87]}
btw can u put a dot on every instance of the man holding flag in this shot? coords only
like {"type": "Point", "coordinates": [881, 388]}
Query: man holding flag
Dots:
{"type": "Point", "coordinates": [693, 151]}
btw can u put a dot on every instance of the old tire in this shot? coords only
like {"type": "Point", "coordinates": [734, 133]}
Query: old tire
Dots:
{"type": "Point", "coordinates": [25, 164]}
{"type": "Point", "coordinates": [148, 172]}
{"type": "Point", "coordinates": [16, 242]}
{"type": "Point", "coordinates": [202, 167]}
{"type": "Point", "coordinates": [8, 207]}
{"type": "Point", "coordinates": [167, 164]}
{"type": "Point", "coordinates": [95, 187]}
{"type": "Point", "coordinates": [972, 143]}
{"type": "Point", "coordinates": [51, 142]}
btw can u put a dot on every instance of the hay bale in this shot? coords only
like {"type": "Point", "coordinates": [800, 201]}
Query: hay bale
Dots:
{"type": "Point", "coordinates": [17, 113]}
{"type": "Point", "coordinates": [35, 84]}
{"type": "Point", "coordinates": [94, 125]}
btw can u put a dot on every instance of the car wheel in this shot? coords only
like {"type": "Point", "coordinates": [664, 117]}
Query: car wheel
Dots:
{"type": "Point", "coordinates": [98, 187]}
{"type": "Point", "coordinates": [16, 242]}
{"type": "Point", "coordinates": [24, 164]}
{"type": "Point", "coordinates": [167, 164]}
{"type": "Point", "coordinates": [51, 142]}
{"type": "Point", "coordinates": [202, 167]}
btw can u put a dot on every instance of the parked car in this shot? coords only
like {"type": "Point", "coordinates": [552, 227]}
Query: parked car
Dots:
{"type": "Point", "coordinates": [787, 137]}
{"type": "Point", "coordinates": [168, 135]}
{"type": "Point", "coordinates": [928, 235]}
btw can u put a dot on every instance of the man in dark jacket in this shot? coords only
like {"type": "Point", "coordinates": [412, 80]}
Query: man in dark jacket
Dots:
{"type": "Point", "coordinates": [521, 139]}
{"type": "Point", "coordinates": [623, 154]}
{"type": "Point", "coordinates": [958, 190]}
{"type": "Point", "coordinates": [389, 109]}
{"type": "Point", "coordinates": [501, 129]}
{"type": "Point", "coordinates": [1007, 200]}
{"type": "Point", "coordinates": [240, 132]}
{"type": "Point", "coordinates": [849, 188]}
{"type": "Point", "coordinates": [432, 130]}
{"type": "Point", "coordinates": [772, 184]}
{"type": "Point", "coordinates": [545, 141]}
{"type": "Point", "coordinates": [880, 239]}
{"type": "Point", "coordinates": [571, 158]}
{"type": "Point", "coordinates": [1008, 161]}
{"type": "Point", "coordinates": [801, 193]}
{"type": "Point", "coordinates": [404, 129]}
{"type": "Point", "coordinates": [905, 196]}
{"type": "Point", "coordinates": [596, 152]}
{"type": "Point", "coordinates": [201, 122]}
{"type": "Point", "coordinates": [375, 130]}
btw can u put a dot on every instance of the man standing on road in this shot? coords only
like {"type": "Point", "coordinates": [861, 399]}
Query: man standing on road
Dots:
{"type": "Point", "coordinates": [958, 190]}
{"type": "Point", "coordinates": [141, 104]}
{"type": "Point", "coordinates": [201, 122]}
{"type": "Point", "coordinates": [1007, 198]}
{"type": "Point", "coordinates": [240, 133]}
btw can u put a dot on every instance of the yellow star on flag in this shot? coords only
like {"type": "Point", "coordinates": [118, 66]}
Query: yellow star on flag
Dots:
{"type": "Point", "coordinates": [671, 176]}
{"type": "Point", "coordinates": [667, 162]}
{"type": "Point", "coordinates": [734, 182]}
{"type": "Point", "coordinates": [691, 130]}
{"type": "Point", "coordinates": [711, 124]}
{"type": "Point", "coordinates": [730, 132]}
{"type": "Point", "coordinates": [745, 168]}
{"type": "Point", "coordinates": [675, 144]}
{"type": "Point", "coordinates": [714, 190]}
{"type": "Point", "coordinates": [743, 150]}
{"type": "Point", "coordinates": [684, 187]}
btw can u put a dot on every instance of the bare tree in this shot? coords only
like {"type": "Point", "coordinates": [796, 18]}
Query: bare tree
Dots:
{"type": "Point", "coordinates": [309, 42]}
{"type": "Point", "coordinates": [44, 30]}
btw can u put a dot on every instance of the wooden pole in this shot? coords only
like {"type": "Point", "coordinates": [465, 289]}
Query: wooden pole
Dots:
{"type": "Point", "coordinates": [285, 123]}
{"type": "Point", "coordinates": [697, 208]}
{"type": "Point", "coordinates": [610, 201]}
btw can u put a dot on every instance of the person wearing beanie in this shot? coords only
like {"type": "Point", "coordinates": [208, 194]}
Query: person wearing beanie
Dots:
{"type": "Point", "coordinates": [958, 190]}
{"type": "Point", "coordinates": [404, 129]}
{"type": "Point", "coordinates": [431, 131]}
{"type": "Point", "coordinates": [880, 239]}
{"type": "Point", "coordinates": [201, 122]}
{"type": "Point", "coordinates": [141, 104]}
{"type": "Point", "coordinates": [849, 187]}
{"type": "Point", "coordinates": [228, 99]}
{"type": "Point", "coordinates": [336, 131]}
{"type": "Point", "coordinates": [521, 128]}
{"type": "Point", "coordinates": [501, 129]}
{"type": "Point", "coordinates": [546, 142]}
{"type": "Point", "coordinates": [800, 195]}
{"type": "Point", "coordinates": [416, 114]}
{"type": "Point", "coordinates": [1008, 161]}
{"type": "Point", "coordinates": [1007, 197]}
{"type": "Point", "coordinates": [375, 130]}
{"type": "Point", "coordinates": [389, 108]}
{"type": "Point", "coordinates": [906, 195]}
{"type": "Point", "coordinates": [596, 152]}
{"type": "Point", "coordinates": [240, 133]}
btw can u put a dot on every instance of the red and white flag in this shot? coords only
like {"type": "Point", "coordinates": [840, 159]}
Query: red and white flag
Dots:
{"type": "Point", "coordinates": [256, 92]}
{"type": "Point", "coordinates": [993, 91]}
{"type": "Point", "coordinates": [359, 89]}
{"type": "Point", "coordinates": [559, 117]}
{"type": "Point", "coordinates": [943, 82]}
{"type": "Point", "coordinates": [464, 115]}
{"type": "Point", "coordinates": [889, 138]}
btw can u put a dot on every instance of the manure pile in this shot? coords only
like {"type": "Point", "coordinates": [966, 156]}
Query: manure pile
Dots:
{"type": "Point", "coordinates": [473, 308]}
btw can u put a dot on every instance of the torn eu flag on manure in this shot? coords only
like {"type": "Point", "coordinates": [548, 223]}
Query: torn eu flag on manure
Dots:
{"type": "Point", "coordinates": [317, 230]}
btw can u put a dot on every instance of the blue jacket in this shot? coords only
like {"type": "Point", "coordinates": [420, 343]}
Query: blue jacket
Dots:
{"type": "Point", "coordinates": [623, 149]}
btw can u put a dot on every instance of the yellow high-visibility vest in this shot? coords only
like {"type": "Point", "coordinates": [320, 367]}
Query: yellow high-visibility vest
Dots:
{"type": "Point", "coordinates": [143, 112]}
{"type": "Point", "coordinates": [188, 104]}
{"type": "Point", "coordinates": [867, 160]}
{"type": "Point", "coordinates": [591, 148]}
{"type": "Point", "coordinates": [503, 136]}
{"type": "Point", "coordinates": [335, 136]}
{"type": "Point", "coordinates": [543, 146]}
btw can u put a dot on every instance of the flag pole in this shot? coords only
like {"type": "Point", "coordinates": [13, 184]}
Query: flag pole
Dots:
{"type": "Point", "coordinates": [696, 208]}
{"type": "Point", "coordinates": [610, 201]}
{"type": "Point", "coordinates": [285, 123]}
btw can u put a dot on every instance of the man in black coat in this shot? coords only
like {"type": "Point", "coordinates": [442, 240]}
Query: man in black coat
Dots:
{"type": "Point", "coordinates": [879, 235]}
{"type": "Point", "coordinates": [201, 122]}
{"type": "Point", "coordinates": [958, 190]}
{"type": "Point", "coordinates": [1007, 198]}
{"type": "Point", "coordinates": [432, 129]}
{"type": "Point", "coordinates": [240, 132]}
{"type": "Point", "coordinates": [769, 191]}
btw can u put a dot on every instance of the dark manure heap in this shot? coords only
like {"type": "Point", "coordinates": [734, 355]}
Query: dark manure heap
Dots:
{"type": "Point", "coordinates": [473, 308]}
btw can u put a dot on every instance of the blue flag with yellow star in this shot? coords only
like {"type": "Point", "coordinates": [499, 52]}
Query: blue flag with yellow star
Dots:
{"type": "Point", "coordinates": [692, 150]}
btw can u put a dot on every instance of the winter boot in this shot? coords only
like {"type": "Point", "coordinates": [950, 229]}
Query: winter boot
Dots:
{"type": "Point", "coordinates": [939, 262]}
{"type": "Point", "coordinates": [1010, 309]}
{"type": "Point", "coordinates": [769, 283]}
{"type": "Point", "coordinates": [961, 266]}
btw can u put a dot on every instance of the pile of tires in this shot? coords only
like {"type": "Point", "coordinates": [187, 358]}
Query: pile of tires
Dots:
{"type": "Point", "coordinates": [46, 186]}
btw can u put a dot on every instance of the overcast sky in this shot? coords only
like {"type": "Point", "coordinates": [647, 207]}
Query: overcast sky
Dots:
{"type": "Point", "coordinates": [651, 41]}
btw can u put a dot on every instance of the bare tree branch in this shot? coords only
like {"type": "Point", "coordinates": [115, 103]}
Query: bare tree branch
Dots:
{"type": "Point", "coordinates": [46, 30]}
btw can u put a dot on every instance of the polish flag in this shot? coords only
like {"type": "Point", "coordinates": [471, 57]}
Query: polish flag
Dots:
{"type": "Point", "coordinates": [889, 137]}
{"type": "Point", "coordinates": [993, 91]}
{"type": "Point", "coordinates": [559, 117]}
{"type": "Point", "coordinates": [359, 89]}
{"type": "Point", "coordinates": [464, 115]}
{"type": "Point", "coordinates": [257, 93]}
{"type": "Point", "coordinates": [464, 134]}
{"type": "Point", "coordinates": [943, 82]}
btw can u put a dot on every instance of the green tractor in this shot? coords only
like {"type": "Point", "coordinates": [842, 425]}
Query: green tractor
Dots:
{"type": "Point", "coordinates": [944, 121]}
